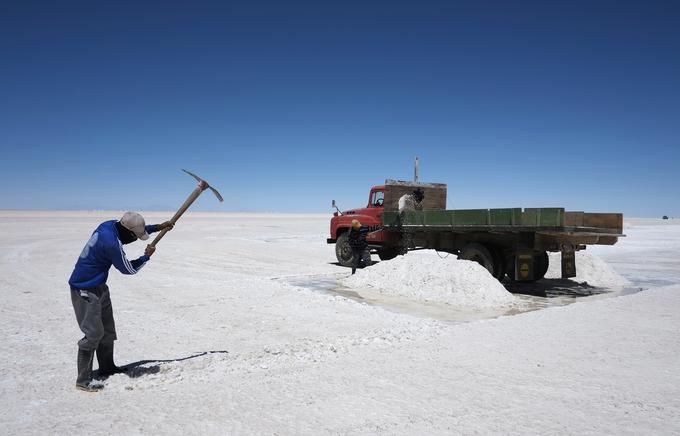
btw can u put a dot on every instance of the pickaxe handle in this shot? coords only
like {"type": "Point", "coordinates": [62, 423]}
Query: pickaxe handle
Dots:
{"type": "Point", "coordinates": [183, 208]}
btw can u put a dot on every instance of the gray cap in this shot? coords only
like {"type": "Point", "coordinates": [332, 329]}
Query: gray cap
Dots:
{"type": "Point", "coordinates": [135, 223]}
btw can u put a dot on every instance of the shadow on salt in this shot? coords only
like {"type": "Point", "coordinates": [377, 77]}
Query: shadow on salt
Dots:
{"type": "Point", "coordinates": [529, 297]}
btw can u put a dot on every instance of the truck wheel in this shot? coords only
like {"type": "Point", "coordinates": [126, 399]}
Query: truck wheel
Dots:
{"type": "Point", "coordinates": [541, 263]}
{"type": "Point", "coordinates": [343, 251]}
{"type": "Point", "coordinates": [388, 253]}
{"type": "Point", "coordinates": [498, 263]}
{"type": "Point", "coordinates": [480, 254]}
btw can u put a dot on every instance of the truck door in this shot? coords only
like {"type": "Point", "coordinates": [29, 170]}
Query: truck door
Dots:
{"type": "Point", "coordinates": [375, 206]}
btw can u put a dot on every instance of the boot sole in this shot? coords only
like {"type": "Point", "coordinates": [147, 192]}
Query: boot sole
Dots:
{"type": "Point", "coordinates": [88, 389]}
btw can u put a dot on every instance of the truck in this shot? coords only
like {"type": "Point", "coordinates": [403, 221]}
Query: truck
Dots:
{"type": "Point", "coordinates": [508, 242]}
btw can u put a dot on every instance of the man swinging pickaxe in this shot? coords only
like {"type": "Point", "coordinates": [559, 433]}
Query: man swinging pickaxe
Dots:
{"type": "Point", "coordinates": [90, 294]}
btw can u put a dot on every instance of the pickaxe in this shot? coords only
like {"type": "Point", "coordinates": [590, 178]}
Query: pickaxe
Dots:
{"type": "Point", "coordinates": [202, 186]}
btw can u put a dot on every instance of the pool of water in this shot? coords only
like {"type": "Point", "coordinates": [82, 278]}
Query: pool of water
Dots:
{"type": "Point", "coordinates": [529, 297]}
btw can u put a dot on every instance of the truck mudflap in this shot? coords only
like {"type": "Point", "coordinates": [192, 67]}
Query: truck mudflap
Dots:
{"type": "Point", "coordinates": [524, 266]}
{"type": "Point", "coordinates": [568, 264]}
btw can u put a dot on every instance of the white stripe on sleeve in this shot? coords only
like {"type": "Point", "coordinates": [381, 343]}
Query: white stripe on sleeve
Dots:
{"type": "Point", "coordinates": [126, 262]}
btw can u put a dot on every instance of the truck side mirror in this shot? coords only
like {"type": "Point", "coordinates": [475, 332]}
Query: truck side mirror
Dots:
{"type": "Point", "coordinates": [333, 204]}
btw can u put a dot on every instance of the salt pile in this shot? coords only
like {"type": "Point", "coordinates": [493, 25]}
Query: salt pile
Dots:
{"type": "Point", "coordinates": [425, 276]}
{"type": "Point", "coordinates": [590, 269]}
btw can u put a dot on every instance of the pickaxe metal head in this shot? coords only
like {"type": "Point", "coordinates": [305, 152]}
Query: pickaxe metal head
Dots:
{"type": "Point", "coordinates": [204, 185]}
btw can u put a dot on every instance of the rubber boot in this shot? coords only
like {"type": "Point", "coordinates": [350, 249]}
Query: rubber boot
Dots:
{"type": "Point", "coordinates": [355, 261]}
{"type": "Point", "coordinates": [84, 380]}
{"type": "Point", "coordinates": [105, 358]}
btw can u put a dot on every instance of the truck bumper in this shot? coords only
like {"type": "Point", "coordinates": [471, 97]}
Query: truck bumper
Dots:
{"type": "Point", "coordinates": [330, 241]}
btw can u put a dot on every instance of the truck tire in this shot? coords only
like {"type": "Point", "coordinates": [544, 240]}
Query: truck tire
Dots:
{"type": "Point", "coordinates": [480, 254]}
{"type": "Point", "coordinates": [541, 263]}
{"type": "Point", "coordinates": [343, 251]}
{"type": "Point", "coordinates": [498, 263]}
{"type": "Point", "coordinates": [388, 253]}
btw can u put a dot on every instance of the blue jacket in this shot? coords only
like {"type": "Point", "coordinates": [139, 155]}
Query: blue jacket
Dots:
{"type": "Point", "coordinates": [101, 251]}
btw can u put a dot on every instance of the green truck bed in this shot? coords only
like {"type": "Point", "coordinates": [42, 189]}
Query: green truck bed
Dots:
{"type": "Point", "coordinates": [547, 219]}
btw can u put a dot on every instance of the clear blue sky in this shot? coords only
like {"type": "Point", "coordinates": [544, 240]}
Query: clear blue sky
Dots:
{"type": "Point", "coordinates": [284, 106]}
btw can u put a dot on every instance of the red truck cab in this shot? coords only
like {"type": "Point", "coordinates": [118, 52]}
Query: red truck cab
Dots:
{"type": "Point", "coordinates": [369, 216]}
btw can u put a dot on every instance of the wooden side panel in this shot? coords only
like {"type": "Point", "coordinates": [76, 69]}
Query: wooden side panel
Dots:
{"type": "Point", "coordinates": [551, 216]}
{"type": "Point", "coordinates": [470, 217]}
{"type": "Point", "coordinates": [390, 218]}
{"type": "Point", "coordinates": [505, 217]}
{"type": "Point", "coordinates": [435, 194]}
{"type": "Point", "coordinates": [546, 216]}
{"type": "Point", "coordinates": [573, 219]}
{"type": "Point", "coordinates": [604, 220]}
{"type": "Point", "coordinates": [437, 218]}
{"type": "Point", "coordinates": [413, 217]}
{"type": "Point", "coordinates": [529, 217]}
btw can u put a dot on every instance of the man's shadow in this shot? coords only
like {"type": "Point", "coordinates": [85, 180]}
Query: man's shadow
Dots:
{"type": "Point", "coordinates": [137, 369]}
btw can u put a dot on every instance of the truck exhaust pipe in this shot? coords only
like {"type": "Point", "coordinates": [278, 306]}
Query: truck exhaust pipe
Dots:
{"type": "Point", "coordinates": [416, 170]}
{"type": "Point", "coordinates": [333, 205]}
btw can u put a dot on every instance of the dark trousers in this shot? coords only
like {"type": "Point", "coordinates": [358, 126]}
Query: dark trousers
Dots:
{"type": "Point", "coordinates": [94, 315]}
{"type": "Point", "coordinates": [359, 257]}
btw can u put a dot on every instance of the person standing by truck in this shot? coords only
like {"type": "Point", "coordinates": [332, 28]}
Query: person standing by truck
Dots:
{"type": "Point", "coordinates": [359, 246]}
{"type": "Point", "coordinates": [90, 294]}
{"type": "Point", "coordinates": [409, 202]}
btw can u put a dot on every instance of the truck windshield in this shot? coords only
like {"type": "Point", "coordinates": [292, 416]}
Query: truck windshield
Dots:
{"type": "Point", "coordinates": [377, 198]}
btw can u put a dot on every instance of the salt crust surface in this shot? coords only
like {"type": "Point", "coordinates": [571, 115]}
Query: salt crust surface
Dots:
{"type": "Point", "coordinates": [302, 362]}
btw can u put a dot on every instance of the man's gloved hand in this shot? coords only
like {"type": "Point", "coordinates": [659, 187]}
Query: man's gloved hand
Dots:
{"type": "Point", "coordinates": [149, 250]}
{"type": "Point", "coordinates": [166, 225]}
